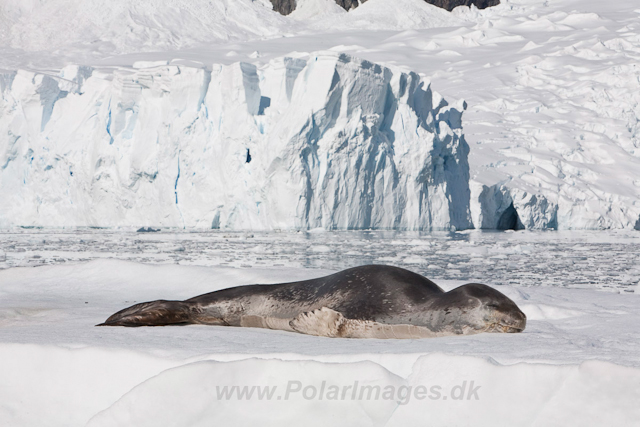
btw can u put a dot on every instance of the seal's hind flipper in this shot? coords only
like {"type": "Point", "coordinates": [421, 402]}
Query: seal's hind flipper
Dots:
{"type": "Point", "coordinates": [326, 322]}
{"type": "Point", "coordinates": [154, 313]}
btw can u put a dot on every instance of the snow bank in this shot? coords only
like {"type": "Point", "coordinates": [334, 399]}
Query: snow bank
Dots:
{"type": "Point", "coordinates": [331, 141]}
{"type": "Point", "coordinates": [92, 29]}
{"type": "Point", "coordinates": [107, 387]}
{"type": "Point", "coordinates": [526, 394]}
{"type": "Point", "coordinates": [194, 392]}
{"type": "Point", "coordinates": [442, 390]}
{"type": "Point", "coordinates": [395, 15]}
{"type": "Point", "coordinates": [56, 386]}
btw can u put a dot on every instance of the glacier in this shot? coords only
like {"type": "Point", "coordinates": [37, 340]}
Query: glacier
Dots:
{"type": "Point", "coordinates": [319, 141]}
{"type": "Point", "coordinates": [552, 121]}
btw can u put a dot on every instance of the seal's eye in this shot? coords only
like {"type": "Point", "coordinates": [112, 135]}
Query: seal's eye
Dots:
{"type": "Point", "coordinates": [492, 306]}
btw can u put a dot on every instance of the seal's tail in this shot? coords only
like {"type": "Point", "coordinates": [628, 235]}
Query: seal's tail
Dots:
{"type": "Point", "coordinates": [154, 313]}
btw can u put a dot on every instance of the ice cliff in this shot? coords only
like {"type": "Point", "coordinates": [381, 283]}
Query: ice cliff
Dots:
{"type": "Point", "coordinates": [325, 141]}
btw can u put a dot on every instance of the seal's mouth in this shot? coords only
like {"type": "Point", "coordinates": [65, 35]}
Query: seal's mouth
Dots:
{"type": "Point", "coordinates": [507, 322]}
{"type": "Point", "coordinates": [510, 329]}
{"type": "Point", "coordinates": [504, 328]}
{"type": "Point", "coordinates": [510, 324]}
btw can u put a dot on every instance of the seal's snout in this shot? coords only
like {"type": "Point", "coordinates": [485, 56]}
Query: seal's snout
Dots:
{"type": "Point", "coordinates": [511, 321]}
{"type": "Point", "coordinates": [504, 316]}
{"type": "Point", "coordinates": [517, 321]}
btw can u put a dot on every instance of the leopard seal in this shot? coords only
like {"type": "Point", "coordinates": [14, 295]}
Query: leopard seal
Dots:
{"type": "Point", "coordinates": [370, 301]}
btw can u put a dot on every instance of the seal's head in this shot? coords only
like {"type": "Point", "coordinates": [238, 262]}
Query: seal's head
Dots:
{"type": "Point", "coordinates": [498, 311]}
{"type": "Point", "coordinates": [486, 309]}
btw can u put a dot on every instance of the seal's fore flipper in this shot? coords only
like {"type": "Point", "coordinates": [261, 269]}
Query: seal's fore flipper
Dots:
{"type": "Point", "coordinates": [323, 322]}
{"type": "Point", "coordinates": [326, 322]}
{"type": "Point", "coordinates": [266, 322]}
{"type": "Point", "coordinates": [154, 313]}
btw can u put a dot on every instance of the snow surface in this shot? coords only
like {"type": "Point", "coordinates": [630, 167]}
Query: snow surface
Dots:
{"type": "Point", "coordinates": [55, 26]}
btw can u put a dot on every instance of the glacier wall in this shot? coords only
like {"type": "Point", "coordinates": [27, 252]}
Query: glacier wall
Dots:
{"type": "Point", "coordinates": [327, 141]}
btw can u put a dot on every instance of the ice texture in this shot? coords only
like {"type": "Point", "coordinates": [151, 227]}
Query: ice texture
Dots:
{"type": "Point", "coordinates": [330, 141]}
